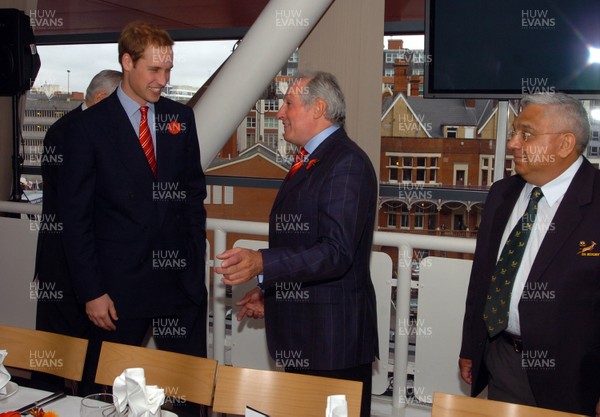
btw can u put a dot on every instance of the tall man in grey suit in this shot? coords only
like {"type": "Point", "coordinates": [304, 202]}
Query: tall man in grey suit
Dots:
{"type": "Point", "coordinates": [131, 200]}
{"type": "Point", "coordinates": [314, 279]}
{"type": "Point", "coordinates": [547, 352]}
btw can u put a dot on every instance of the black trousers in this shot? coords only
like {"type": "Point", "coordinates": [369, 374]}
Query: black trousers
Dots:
{"type": "Point", "coordinates": [181, 332]}
{"type": "Point", "coordinates": [362, 373]}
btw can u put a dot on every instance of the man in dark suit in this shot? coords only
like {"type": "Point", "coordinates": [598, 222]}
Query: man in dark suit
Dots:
{"type": "Point", "coordinates": [131, 200]}
{"type": "Point", "coordinates": [546, 353]}
{"type": "Point", "coordinates": [319, 301]}
{"type": "Point", "coordinates": [58, 310]}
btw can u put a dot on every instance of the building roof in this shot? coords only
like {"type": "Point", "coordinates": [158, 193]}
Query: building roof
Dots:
{"type": "Point", "coordinates": [257, 150]}
{"type": "Point", "coordinates": [437, 113]}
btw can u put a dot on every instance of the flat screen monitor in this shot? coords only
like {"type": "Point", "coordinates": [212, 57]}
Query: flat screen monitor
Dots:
{"type": "Point", "coordinates": [506, 48]}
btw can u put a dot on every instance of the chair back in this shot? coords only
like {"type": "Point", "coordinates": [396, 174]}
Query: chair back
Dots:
{"type": "Point", "coordinates": [183, 377]}
{"type": "Point", "coordinates": [280, 394]}
{"type": "Point", "coordinates": [449, 405]}
{"type": "Point", "coordinates": [50, 353]}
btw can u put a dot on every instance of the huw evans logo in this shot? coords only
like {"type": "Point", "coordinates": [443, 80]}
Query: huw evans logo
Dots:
{"type": "Point", "coordinates": [44, 359]}
{"type": "Point", "coordinates": [45, 19]}
{"type": "Point", "coordinates": [537, 19]}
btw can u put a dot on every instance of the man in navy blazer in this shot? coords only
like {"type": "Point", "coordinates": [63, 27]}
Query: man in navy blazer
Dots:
{"type": "Point", "coordinates": [549, 354]}
{"type": "Point", "coordinates": [319, 301]}
{"type": "Point", "coordinates": [135, 239]}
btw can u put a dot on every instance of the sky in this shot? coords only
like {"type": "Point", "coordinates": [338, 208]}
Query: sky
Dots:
{"type": "Point", "coordinates": [73, 66]}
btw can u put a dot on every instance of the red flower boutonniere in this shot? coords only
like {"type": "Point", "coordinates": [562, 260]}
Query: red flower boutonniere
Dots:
{"type": "Point", "coordinates": [174, 127]}
{"type": "Point", "coordinates": [311, 163]}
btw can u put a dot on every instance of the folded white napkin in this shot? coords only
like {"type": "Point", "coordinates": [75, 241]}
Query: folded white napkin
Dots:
{"type": "Point", "coordinates": [336, 406]}
{"type": "Point", "coordinates": [4, 375]}
{"type": "Point", "coordinates": [130, 389]}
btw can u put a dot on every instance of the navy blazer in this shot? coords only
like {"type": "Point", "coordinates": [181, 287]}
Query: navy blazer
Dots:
{"type": "Point", "coordinates": [320, 310]}
{"type": "Point", "coordinates": [138, 238]}
{"type": "Point", "coordinates": [50, 262]}
{"type": "Point", "coordinates": [560, 308]}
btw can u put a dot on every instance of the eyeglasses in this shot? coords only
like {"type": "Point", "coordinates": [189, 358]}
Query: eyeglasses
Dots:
{"type": "Point", "coordinates": [527, 135]}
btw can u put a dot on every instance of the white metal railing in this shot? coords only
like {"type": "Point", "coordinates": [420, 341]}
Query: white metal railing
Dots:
{"type": "Point", "coordinates": [405, 242]}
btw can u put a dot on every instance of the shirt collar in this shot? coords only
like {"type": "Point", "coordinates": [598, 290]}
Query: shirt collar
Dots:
{"type": "Point", "coordinates": [130, 105]}
{"type": "Point", "coordinates": [319, 138]}
{"type": "Point", "coordinates": [556, 189]}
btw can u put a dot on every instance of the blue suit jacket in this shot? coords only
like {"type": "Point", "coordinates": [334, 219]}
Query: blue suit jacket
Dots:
{"type": "Point", "coordinates": [320, 310]}
{"type": "Point", "coordinates": [138, 238]}
{"type": "Point", "coordinates": [560, 310]}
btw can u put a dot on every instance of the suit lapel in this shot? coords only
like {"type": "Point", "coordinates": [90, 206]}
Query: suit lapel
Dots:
{"type": "Point", "coordinates": [501, 217]}
{"type": "Point", "coordinates": [566, 219]}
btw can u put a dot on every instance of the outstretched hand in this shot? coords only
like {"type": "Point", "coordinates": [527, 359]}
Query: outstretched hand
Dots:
{"type": "Point", "coordinates": [239, 265]}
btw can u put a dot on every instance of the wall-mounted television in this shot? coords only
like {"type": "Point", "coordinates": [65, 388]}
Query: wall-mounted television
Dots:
{"type": "Point", "coordinates": [506, 48]}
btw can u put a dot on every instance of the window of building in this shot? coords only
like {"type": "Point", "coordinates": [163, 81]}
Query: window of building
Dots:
{"type": "Point", "coordinates": [271, 105]}
{"type": "Point", "coordinates": [270, 140]}
{"type": "Point", "coordinates": [389, 72]}
{"type": "Point", "coordinates": [271, 123]}
{"type": "Point", "coordinates": [451, 132]}
{"type": "Point", "coordinates": [391, 220]}
{"type": "Point", "coordinates": [419, 216]}
{"type": "Point", "coordinates": [250, 121]}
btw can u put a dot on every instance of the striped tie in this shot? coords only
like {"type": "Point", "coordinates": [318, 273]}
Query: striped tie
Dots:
{"type": "Point", "coordinates": [299, 160]}
{"type": "Point", "coordinates": [146, 139]}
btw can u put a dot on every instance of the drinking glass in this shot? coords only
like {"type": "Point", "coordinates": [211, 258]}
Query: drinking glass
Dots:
{"type": "Point", "coordinates": [99, 405]}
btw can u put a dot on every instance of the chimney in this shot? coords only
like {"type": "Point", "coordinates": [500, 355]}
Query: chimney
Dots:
{"type": "Point", "coordinates": [401, 76]}
{"type": "Point", "coordinates": [395, 44]}
{"type": "Point", "coordinates": [470, 103]}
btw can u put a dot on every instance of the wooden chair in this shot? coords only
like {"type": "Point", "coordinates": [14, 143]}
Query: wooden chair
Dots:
{"type": "Point", "coordinates": [50, 353]}
{"type": "Point", "coordinates": [280, 394]}
{"type": "Point", "coordinates": [182, 376]}
{"type": "Point", "coordinates": [448, 405]}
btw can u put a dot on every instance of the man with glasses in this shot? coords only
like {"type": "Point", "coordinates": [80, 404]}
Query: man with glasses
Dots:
{"type": "Point", "coordinates": [531, 331]}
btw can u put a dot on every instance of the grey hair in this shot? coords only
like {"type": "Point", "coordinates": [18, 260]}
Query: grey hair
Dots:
{"type": "Point", "coordinates": [571, 114]}
{"type": "Point", "coordinates": [324, 85]}
{"type": "Point", "coordinates": [104, 82]}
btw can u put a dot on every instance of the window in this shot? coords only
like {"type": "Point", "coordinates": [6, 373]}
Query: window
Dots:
{"type": "Point", "coordinates": [451, 132]}
{"type": "Point", "coordinates": [419, 216]}
{"type": "Point", "coordinates": [270, 140]}
{"type": "Point", "coordinates": [271, 105]}
{"type": "Point", "coordinates": [391, 220]}
{"type": "Point", "coordinates": [389, 72]}
{"type": "Point", "coordinates": [250, 121]}
{"type": "Point", "coordinates": [271, 123]}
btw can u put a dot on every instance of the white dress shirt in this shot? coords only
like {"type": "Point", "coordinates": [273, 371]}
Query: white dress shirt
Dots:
{"type": "Point", "coordinates": [554, 192]}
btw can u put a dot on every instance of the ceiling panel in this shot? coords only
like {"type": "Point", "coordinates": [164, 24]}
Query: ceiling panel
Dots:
{"type": "Point", "coordinates": [74, 19]}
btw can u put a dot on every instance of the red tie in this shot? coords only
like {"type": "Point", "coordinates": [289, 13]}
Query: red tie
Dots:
{"type": "Point", "coordinates": [146, 139]}
{"type": "Point", "coordinates": [299, 161]}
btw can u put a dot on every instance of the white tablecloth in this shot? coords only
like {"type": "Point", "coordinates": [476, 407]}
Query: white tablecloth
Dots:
{"type": "Point", "coordinates": [65, 407]}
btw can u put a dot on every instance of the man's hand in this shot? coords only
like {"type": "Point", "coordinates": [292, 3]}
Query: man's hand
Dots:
{"type": "Point", "coordinates": [253, 305]}
{"type": "Point", "coordinates": [239, 265]}
{"type": "Point", "coordinates": [100, 311]}
{"type": "Point", "coordinates": [466, 365]}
